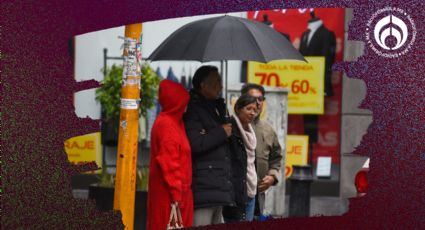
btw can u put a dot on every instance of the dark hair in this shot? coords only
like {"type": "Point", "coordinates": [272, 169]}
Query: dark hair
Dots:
{"type": "Point", "coordinates": [245, 100]}
{"type": "Point", "coordinates": [201, 74]}
{"type": "Point", "coordinates": [247, 87]}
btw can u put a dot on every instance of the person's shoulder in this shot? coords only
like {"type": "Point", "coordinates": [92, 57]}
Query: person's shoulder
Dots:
{"type": "Point", "coordinates": [165, 127]}
{"type": "Point", "coordinates": [192, 112]}
{"type": "Point", "coordinates": [163, 121]}
{"type": "Point", "coordinates": [194, 103]}
{"type": "Point", "coordinates": [265, 126]}
{"type": "Point", "coordinates": [262, 123]}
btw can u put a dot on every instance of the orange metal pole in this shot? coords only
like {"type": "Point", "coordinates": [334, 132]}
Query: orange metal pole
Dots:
{"type": "Point", "coordinates": [125, 182]}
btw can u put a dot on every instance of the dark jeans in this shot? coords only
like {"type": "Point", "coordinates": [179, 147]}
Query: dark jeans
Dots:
{"type": "Point", "coordinates": [235, 214]}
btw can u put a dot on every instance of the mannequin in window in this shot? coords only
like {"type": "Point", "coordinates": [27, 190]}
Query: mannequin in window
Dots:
{"type": "Point", "coordinates": [317, 40]}
{"type": "Point", "coordinates": [266, 20]}
{"type": "Point", "coordinates": [270, 23]}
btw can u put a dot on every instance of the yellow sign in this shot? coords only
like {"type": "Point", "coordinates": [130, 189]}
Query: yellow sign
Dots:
{"type": "Point", "coordinates": [85, 148]}
{"type": "Point", "coordinates": [305, 82]}
{"type": "Point", "coordinates": [296, 152]}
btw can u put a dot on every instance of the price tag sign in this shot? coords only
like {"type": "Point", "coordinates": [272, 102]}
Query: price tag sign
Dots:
{"type": "Point", "coordinates": [324, 166]}
{"type": "Point", "coordinates": [296, 152]}
{"type": "Point", "coordinates": [305, 82]}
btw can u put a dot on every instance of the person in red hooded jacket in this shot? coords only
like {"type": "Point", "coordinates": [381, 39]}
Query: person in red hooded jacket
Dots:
{"type": "Point", "coordinates": [170, 175]}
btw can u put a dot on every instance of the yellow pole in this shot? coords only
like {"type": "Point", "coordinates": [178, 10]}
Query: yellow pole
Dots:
{"type": "Point", "coordinates": [125, 182]}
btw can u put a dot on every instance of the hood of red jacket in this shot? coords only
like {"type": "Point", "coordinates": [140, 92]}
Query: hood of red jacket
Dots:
{"type": "Point", "coordinates": [173, 98]}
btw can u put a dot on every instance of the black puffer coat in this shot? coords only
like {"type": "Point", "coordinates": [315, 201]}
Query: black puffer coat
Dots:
{"type": "Point", "coordinates": [211, 183]}
{"type": "Point", "coordinates": [239, 173]}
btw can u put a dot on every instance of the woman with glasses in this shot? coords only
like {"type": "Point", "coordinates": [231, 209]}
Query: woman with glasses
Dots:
{"type": "Point", "coordinates": [268, 151]}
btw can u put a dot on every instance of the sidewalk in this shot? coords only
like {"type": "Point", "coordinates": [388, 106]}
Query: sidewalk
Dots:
{"type": "Point", "coordinates": [319, 205]}
{"type": "Point", "coordinates": [324, 205]}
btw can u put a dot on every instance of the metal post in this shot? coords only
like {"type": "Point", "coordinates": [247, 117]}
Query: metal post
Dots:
{"type": "Point", "coordinates": [222, 77]}
{"type": "Point", "coordinates": [299, 198]}
{"type": "Point", "coordinates": [221, 68]}
{"type": "Point", "coordinates": [105, 59]}
{"type": "Point", "coordinates": [125, 183]}
{"type": "Point", "coordinates": [225, 93]}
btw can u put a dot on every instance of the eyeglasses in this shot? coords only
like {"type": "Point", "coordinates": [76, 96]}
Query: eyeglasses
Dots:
{"type": "Point", "coordinates": [261, 98]}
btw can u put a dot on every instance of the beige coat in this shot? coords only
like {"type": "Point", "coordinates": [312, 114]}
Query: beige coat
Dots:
{"type": "Point", "coordinates": [268, 151]}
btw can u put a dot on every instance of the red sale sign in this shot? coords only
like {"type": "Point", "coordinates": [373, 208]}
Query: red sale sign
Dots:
{"type": "Point", "coordinates": [298, 24]}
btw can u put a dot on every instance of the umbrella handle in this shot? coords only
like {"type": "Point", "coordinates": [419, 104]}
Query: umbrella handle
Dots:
{"type": "Point", "coordinates": [227, 117]}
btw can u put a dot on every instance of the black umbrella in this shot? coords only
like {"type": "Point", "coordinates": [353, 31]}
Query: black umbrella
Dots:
{"type": "Point", "coordinates": [226, 38]}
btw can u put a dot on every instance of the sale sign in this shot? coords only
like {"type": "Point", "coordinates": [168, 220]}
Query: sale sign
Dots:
{"type": "Point", "coordinates": [296, 152]}
{"type": "Point", "coordinates": [305, 82]}
{"type": "Point", "coordinates": [83, 149]}
{"type": "Point", "coordinates": [293, 23]}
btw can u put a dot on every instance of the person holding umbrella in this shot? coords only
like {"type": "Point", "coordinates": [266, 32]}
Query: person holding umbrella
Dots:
{"type": "Point", "coordinates": [206, 123]}
{"type": "Point", "coordinates": [170, 167]}
{"type": "Point", "coordinates": [208, 131]}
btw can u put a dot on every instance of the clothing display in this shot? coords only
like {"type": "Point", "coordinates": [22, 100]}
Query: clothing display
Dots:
{"type": "Point", "coordinates": [158, 106]}
{"type": "Point", "coordinates": [190, 86]}
{"type": "Point", "coordinates": [317, 40]}
{"type": "Point", "coordinates": [183, 79]}
{"type": "Point", "coordinates": [311, 127]}
{"type": "Point", "coordinates": [171, 76]}
{"type": "Point", "coordinates": [142, 129]}
{"type": "Point", "coordinates": [170, 167]}
{"type": "Point", "coordinates": [270, 23]}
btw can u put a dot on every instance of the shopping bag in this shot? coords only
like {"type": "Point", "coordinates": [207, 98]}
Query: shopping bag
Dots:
{"type": "Point", "coordinates": [175, 221]}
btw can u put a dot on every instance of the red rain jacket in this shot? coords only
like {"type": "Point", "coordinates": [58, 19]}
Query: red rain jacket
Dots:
{"type": "Point", "coordinates": [170, 168]}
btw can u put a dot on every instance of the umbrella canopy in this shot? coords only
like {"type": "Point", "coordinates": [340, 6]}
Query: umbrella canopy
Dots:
{"type": "Point", "coordinates": [226, 38]}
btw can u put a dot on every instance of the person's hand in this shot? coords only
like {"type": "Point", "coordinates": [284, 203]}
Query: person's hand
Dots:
{"type": "Point", "coordinates": [228, 129]}
{"type": "Point", "coordinates": [265, 183]}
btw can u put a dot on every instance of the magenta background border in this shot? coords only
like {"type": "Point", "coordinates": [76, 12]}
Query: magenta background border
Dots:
{"type": "Point", "coordinates": [38, 114]}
